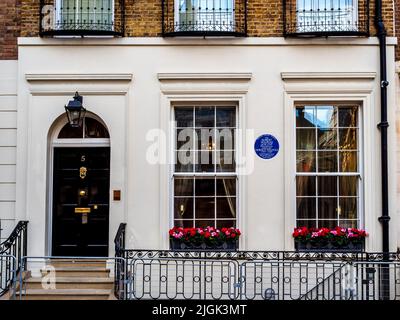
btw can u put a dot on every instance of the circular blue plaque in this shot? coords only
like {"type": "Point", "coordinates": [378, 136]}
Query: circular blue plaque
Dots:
{"type": "Point", "coordinates": [266, 146]}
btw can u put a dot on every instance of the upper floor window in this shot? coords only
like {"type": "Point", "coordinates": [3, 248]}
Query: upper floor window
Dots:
{"type": "Point", "coordinates": [205, 178]}
{"type": "Point", "coordinates": [81, 17]}
{"type": "Point", "coordinates": [328, 166]}
{"type": "Point", "coordinates": [204, 17]}
{"type": "Point", "coordinates": [321, 17]}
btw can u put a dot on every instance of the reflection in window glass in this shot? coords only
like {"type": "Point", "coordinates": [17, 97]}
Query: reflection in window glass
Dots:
{"type": "Point", "coordinates": [327, 164]}
{"type": "Point", "coordinates": [205, 180]}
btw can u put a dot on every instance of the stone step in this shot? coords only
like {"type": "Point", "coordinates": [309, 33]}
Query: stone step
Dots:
{"type": "Point", "coordinates": [65, 294]}
{"type": "Point", "coordinates": [71, 283]}
{"type": "Point", "coordinates": [78, 272]}
{"type": "Point", "coordinates": [68, 263]}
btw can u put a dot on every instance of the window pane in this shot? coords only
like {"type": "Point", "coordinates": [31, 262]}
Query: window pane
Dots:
{"type": "Point", "coordinates": [305, 139]}
{"type": "Point", "coordinates": [305, 186]}
{"type": "Point", "coordinates": [184, 117]}
{"type": "Point", "coordinates": [225, 161]}
{"type": "Point", "coordinates": [348, 139]}
{"type": "Point", "coordinates": [327, 224]}
{"type": "Point", "coordinates": [226, 207]}
{"type": "Point", "coordinates": [327, 186]}
{"type": "Point", "coordinates": [205, 117]}
{"type": "Point", "coordinates": [94, 129]}
{"type": "Point", "coordinates": [184, 223]}
{"type": "Point", "coordinates": [327, 208]}
{"type": "Point", "coordinates": [226, 186]}
{"type": "Point", "coordinates": [348, 186]}
{"type": "Point", "coordinates": [205, 208]}
{"type": "Point", "coordinates": [184, 161]}
{"type": "Point", "coordinates": [348, 117]}
{"type": "Point", "coordinates": [326, 117]}
{"type": "Point", "coordinates": [307, 223]}
{"type": "Point", "coordinates": [348, 223]}
{"type": "Point", "coordinates": [226, 224]}
{"type": "Point", "coordinates": [68, 132]}
{"type": "Point", "coordinates": [225, 139]}
{"type": "Point", "coordinates": [348, 161]}
{"type": "Point", "coordinates": [305, 161]}
{"type": "Point", "coordinates": [226, 117]}
{"type": "Point", "coordinates": [327, 161]}
{"type": "Point", "coordinates": [183, 187]}
{"type": "Point", "coordinates": [205, 139]}
{"type": "Point", "coordinates": [205, 187]}
{"type": "Point", "coordinates": [348, 208]}
{"type": "Point", "coordinates": [185, 139]}
{"type": "Point", "coordinates": [327, 139]}
{"type": "Point", "coordinates": [306, 208]}
{"type": "Point", "coordinates": [205, 161]}
{"type": "Point", "coordinates": [183, 208]}
{"type": "Point", "coordinates": [305, 117]}
{"type": "Point", "coordinates": [204, 223]}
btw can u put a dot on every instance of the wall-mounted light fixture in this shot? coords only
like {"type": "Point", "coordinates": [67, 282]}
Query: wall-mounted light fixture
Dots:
{"type": "Point", "coordinates": [75, 111]}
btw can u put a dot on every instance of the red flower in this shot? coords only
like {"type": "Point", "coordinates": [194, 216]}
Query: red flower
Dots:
{"type": "Point", "coordinates": [207, 234]}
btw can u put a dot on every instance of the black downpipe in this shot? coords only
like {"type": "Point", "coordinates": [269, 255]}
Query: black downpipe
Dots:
{"type": "Point", "coordinates": [383, 127]}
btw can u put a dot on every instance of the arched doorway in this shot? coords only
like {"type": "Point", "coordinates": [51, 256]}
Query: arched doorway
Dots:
{"type": "Point", "coordinates": [80, 175]}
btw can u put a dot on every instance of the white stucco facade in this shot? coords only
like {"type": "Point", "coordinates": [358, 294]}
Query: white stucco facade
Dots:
{"type": "Point", "coordinates": [132, 83]}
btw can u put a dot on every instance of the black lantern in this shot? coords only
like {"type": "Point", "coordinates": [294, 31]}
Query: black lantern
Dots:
{"type": "Point", "coordinates": [75, 111]}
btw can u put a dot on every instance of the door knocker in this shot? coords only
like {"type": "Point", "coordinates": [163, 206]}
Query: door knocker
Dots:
{"type": "Point", "coordinates": [82, 172]}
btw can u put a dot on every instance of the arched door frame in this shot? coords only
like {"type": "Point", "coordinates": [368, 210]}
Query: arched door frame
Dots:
{"type": "Point", "coordinates": [53, 142]}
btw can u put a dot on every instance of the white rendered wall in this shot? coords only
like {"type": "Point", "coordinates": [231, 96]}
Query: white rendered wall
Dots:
{"type": "Point", "coordinates": [8, 143]}
{"type": "Point", "coordinates": [132, 108]}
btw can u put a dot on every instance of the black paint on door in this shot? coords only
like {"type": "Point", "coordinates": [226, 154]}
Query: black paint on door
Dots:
{"type": "Point", "coordinates": [81, 181]}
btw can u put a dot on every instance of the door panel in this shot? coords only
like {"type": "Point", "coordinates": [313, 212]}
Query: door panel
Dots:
{"type": "Point", "coordinates": [81, 182]}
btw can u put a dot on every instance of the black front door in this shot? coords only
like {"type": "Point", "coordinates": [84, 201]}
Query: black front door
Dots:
{"type": "Point", "coordinates": [81, 201]}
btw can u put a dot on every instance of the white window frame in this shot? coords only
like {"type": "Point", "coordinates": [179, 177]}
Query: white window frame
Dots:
{"type": "Point", "coordinates": [359, 173]}
{"type": "Point", "coordinates": [309, 87]}
{"type": "Point", "coordinates": [195, 174]}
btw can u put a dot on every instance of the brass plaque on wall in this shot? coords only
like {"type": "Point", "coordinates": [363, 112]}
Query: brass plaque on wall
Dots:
{"type": "Point", "coordinates": [82, 210]}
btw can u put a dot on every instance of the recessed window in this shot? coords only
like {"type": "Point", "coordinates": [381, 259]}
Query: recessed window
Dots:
{"type": "Point", "coordinates": [205, 178]}
{"type": "Point", "coordinates": [327, 165]}
{"type": "Point", "coordinates": [327, 16]}
{"type": "Point", "coordinates": [91, 128]}
{"type": "Point", "coordinates": [205, 15]}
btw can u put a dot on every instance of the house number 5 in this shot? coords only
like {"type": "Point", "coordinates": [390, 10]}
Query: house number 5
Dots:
{"type": "Point", "coordinates": [83, 158]}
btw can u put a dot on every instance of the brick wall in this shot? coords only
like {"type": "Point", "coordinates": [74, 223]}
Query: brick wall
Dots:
{"type": "Point", "coordinates": [143, 19]}
{"type": "Point", "coordinates": [9, 28]}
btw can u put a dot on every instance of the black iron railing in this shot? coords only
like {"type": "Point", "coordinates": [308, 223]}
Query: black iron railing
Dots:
{"type": "Point", "coordinates": [120, 266]}
{"type": "Point", "coordinates": [326, 18]}
{"type": "Point", "coordinates": [262, 275]}
{"type": "Point", "coordinates": [204, 18]}
{"type": "Point", "coordinates": [82, 17]}
{"type": "Point", "coordinates": [11, 252]}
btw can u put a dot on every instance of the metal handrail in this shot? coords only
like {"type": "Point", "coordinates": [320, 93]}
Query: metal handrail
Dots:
{"type": "Point", "coordinates": [15, 246]}
{"type": "Point", "coordinates": [120, 266]}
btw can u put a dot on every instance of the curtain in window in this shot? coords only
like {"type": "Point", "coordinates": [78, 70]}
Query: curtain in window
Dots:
{"type": "Point", "coordinates": [85, 15]}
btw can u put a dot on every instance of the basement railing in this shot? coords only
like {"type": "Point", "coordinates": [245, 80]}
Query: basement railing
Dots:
{"type": "Point", "coordinates": [326, 18]}
{"type": "Point", "coordinates": [11, 252]}
{"type": "Point", "coordinates": [82, 18]}
{"type": "Point", "coordinates": [204, 18]}
{"type": "Point", "coordinates": [260, 275]}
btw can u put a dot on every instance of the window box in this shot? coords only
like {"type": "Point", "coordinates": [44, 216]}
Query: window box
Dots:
{"type": "Point", "coordinates": [329, 240]}
{"type": "Point", "coordinates": [329, 247]}
{"type": "Point", "coordinates": [208, 238]}
{"type": "Point", "coordinates": [178, 245]}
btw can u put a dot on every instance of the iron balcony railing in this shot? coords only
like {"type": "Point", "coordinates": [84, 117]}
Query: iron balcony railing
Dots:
{"type": "Point", "coordinates": [326, 18]}
{"type": "Point", "coordinates": [11, 252]}
{"type": "Point", "coordinates": [259, 275]}
{"type": "Point", "coordinates": [82, 17]}
{"type": "Point", "coordinates": [204, 18]}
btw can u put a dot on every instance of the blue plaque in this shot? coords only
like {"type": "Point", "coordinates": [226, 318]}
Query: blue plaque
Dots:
{"type": "Point", "coordinates": [266, 146]}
